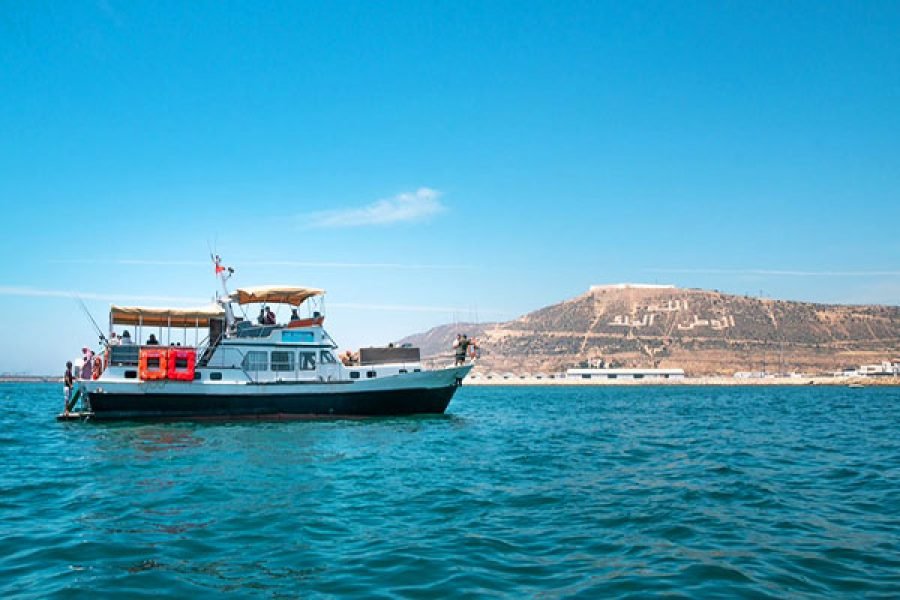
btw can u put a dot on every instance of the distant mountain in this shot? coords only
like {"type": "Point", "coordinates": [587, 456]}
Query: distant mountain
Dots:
{"type": "Point", "coordinates": [704, 332]}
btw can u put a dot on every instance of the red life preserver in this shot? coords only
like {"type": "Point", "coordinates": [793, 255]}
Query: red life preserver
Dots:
{"type": "Point", "coordinates": [152, 363]}
{"type": "Point", "coordinates": [181, 364]}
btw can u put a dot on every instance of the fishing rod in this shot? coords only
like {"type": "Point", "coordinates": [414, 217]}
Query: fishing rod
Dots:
{"type": "Point", "coordinates": [93, 322]}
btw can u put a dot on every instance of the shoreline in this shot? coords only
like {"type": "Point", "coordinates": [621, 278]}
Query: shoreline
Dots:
{"type": "Point", "coordinates": [722, 381]}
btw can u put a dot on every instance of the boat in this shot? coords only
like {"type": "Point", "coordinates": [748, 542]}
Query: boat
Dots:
{"type": "Point", "coordinates": [242, 368]}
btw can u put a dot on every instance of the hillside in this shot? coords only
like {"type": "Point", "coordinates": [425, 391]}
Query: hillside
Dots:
{"type": "Point", "coordinates": [704, 332]}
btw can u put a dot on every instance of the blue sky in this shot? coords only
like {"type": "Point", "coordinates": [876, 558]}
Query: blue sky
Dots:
{"type": "Point", "coordinates": [433, 162]}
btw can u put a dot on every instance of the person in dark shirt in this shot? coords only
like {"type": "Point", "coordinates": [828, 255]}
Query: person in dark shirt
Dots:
{"type": "Point", "coordinates": [68, 384]}
{"type": "Point", "coordinates": [270, 316]}
{"type": "Point", "coordinates": [152, 341]}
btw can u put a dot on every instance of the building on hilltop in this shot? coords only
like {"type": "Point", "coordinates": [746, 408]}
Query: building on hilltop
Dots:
{"type": "Point", "coordinates": [631, 286]}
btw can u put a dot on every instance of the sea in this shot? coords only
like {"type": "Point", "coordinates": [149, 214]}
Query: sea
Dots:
{"type": "Point", "coordinates": [517, 492]}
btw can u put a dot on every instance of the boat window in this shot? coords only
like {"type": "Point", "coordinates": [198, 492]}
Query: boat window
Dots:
{"type": "Point", "coordinates": [130, 374]}
{"type": "Point", "coordinates": [196, 375]}
{"type": "Point", "coordinates": [354, 374]}
{"type": "Point", "coordinates": [255, 360]}
{"type": "Point", "coordinates": [282, 361]}
{"type": "Point", "coordinates": [327, 358]}
{"type": "Point", "coordinates": [307, 361]}
{"type": "Point", "coordinates": [215, 376]}
{"type": "Point", "coordinates": [404, 371]}
{"type": "Point", "coordinates": [371, 374]}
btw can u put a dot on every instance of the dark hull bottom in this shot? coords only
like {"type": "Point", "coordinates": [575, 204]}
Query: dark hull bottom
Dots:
{"type": "Point", "coordinates": [108, 406]}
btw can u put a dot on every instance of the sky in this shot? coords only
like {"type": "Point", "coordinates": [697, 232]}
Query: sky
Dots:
{"type": "Point", "coordinates": [428, 163]}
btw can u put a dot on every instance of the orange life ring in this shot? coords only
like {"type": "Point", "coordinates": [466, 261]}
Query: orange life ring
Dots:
{"type": "Point", "coordinates": [152, 363]}
{"type": "Point", "coordinates": [181, 364]}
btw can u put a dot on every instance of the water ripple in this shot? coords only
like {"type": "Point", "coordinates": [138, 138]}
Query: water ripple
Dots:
{"type": "Point", "coordinates": [534, 492]}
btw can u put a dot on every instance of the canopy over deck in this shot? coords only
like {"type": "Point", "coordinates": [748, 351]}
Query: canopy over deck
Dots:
{"type": "Point", "coordinates": [276, 294]}
{"type": "Point", "coordinates": [171, 317]}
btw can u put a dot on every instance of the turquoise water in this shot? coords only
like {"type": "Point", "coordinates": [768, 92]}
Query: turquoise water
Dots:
{"type": "Point", "coordinates": [519, 492]}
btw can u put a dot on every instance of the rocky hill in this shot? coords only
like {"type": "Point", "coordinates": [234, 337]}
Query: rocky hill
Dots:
{"type": "Point", "coordinates": [703, 332]}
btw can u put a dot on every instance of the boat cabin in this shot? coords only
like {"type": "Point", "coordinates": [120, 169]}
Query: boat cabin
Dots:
{"type": "Point", "coordinates": [211, 344]}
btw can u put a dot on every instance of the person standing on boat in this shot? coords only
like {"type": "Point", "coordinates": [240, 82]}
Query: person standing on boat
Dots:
{"type": "Point", "coordinates": [270, 316]}
{"type": "Point", "coordinates": [461, 345]}
{"type": "Point", "coordinates": [68, 384]}
{"type": "Point", "coordinates": [87, 361]}
{"type": "Point", "coordinates": [261, 319]}
{"type": "Point", "coordinates": [152, 341]}
{"type": "Point", "coordinates": [125, 340]}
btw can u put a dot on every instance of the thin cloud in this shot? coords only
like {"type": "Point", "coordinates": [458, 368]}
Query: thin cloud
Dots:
{"type": "Point", "coordinates": [110, 297]}
{"type": "Point", "coordinates": [408, 308]}
{"type": "Point", "coordinates": [779, 272]}
{"type": "Point", "coordinates": [30, 292]}
{"type": "Point", "coordinates": [402, 208]}
{"type": "Point", "coordinates": [254, 263]}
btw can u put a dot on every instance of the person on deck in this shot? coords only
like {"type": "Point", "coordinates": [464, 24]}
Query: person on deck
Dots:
{"type": "Point", "coordinates": [270, 316]}
{"type": "Point", "coordinates": [114, 339]}
{"type": "Point", "coordinates": [125, 340]}
{"type": "Point", "coordinates": [68, 384]}
{"type": "Point", "coordinates": [295, 316]}
{"type": "Point", "coordinates": [261, 319]}
{"type": "Point", "coordinates": [461, 345]}
{"type": "Point", "coordinates": [87, 363]}
{"type": "Point", "coordinates": [152, 341]}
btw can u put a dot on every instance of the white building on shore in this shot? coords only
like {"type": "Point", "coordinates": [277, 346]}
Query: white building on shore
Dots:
{"type": "Point", "coordinates": [605, 374]}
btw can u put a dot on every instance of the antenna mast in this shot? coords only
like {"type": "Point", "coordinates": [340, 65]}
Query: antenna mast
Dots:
{"type": "Point", "coordinates": [224, 274]}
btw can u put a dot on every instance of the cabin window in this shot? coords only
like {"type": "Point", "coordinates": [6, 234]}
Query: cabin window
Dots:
{"type": "Point", "coordinates": [638, 376]}
{"type": "Point", "coordinates": [417, 370]}
{"type": "Point", "coordinates": [130, 374]}
{"type": "Point", "coordinates": [215, 376]}
{"type": "Point", "coordinates": [282, 361]}
{"type": "Point", "coordinates": [404, 371]}
{"type": "Point", "coordinates": [354, 374]}
{"type": "Point", "coordinates": [327, 358]}
{"type": "Point", "coordinates": [611, 376]}
{"type": "Point", "coordinates": [197, 375]}
{"type": "Point", "coordinates": [307, 361]}
{"type": "Point", "coordinates": [585, 376]}
{"type": "Point", "coordinates": [371, 374]}
{"type": "Point", "coordinates": [298, 336]}
{"type": "Point", "coordinates": [255, 360]}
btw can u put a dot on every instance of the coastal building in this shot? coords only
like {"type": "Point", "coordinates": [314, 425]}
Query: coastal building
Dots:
{"type": "Point", "coordinates": [883, 369]}
{"type": "Point", "coordinates": [605, 374]}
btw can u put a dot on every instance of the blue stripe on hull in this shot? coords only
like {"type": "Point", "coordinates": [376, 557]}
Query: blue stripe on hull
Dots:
{"type": "Point", "coordinates": [106, 406]}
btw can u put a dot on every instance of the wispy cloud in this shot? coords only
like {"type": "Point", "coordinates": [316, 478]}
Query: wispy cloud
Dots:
{"type": "Point", "coordinates": [410, 308]}
{"type": "Point", "coordinates": [30, 292]}
{"type": "Point", "coordinates": [779, 272]}
{"type": "Point", "coordinates": [406, 207]}
{"type": "Point", "coordinates": [24, 291]}
{"type": "Point", "coordinates": [254, 263]}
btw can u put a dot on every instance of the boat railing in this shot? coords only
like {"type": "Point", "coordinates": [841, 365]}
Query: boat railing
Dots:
{"type": "Point", "coordinates": [442, 361]}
